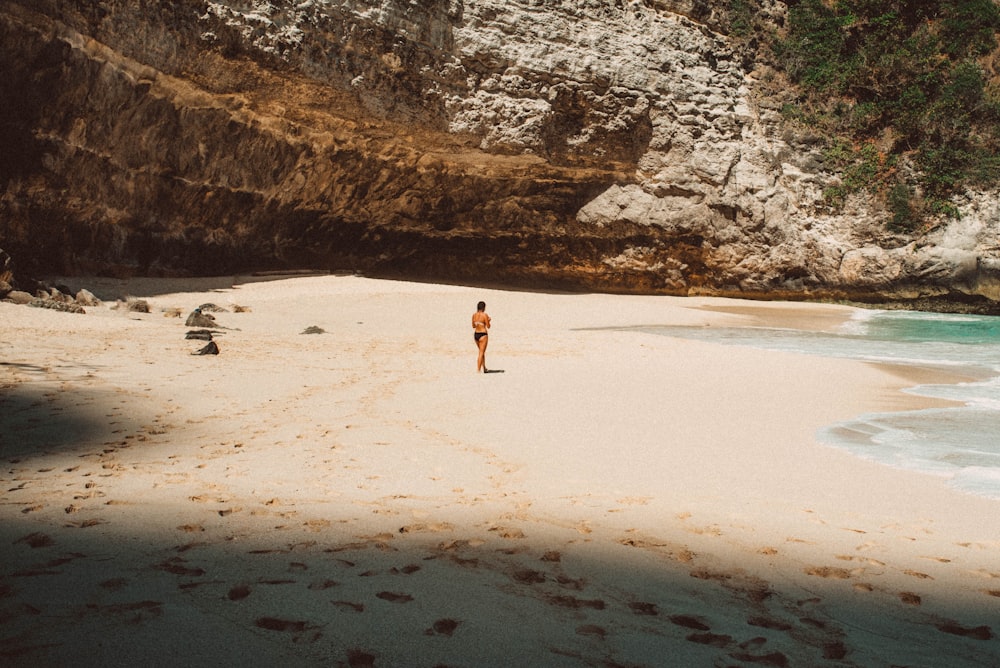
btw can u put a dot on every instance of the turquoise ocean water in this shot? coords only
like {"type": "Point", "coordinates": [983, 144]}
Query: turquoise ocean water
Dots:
{"type": "Point", "coordinates": [960, 443]}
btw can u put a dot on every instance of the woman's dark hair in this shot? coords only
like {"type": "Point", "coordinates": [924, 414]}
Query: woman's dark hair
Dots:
{"type": "Point", "coordinates": [481, 306]}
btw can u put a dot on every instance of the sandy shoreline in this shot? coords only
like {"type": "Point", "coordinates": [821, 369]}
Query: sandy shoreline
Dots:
{"type": "Point", "coordinates": [362, 497]}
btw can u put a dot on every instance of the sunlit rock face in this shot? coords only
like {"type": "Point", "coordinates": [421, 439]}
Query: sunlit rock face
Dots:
{"type": "Point", "coordinates": [594, 144]}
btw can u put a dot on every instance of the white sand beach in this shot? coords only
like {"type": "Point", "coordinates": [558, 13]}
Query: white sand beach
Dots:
{"type": "Point", "coordinates": [362, 497]}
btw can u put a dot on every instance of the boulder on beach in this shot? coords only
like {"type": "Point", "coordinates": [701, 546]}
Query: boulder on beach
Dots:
{"type": "Point", "coordinates": [198, 318]}
{"type": "Point", "coordinates": [211, 348]}
{"type": "Point", "coordinates": [55, 305]}
{"type": "Point", "coordinates": [200, 334]}
{"type": "Point", "coordinates": [209, 306]}
{"type": "Point", "coordinates": [85, 297]}
{"type": "Point", "coordinates": [137, 305]}
{"type": "Point", "coordinates": [19, 297]}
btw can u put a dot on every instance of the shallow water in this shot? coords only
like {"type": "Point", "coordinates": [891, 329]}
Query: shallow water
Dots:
{"type": "Point", "coordinates": [960, 443]}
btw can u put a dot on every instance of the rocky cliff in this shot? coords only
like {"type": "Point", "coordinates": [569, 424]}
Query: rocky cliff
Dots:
{"type": "Point", "coordinates": [602, 144]}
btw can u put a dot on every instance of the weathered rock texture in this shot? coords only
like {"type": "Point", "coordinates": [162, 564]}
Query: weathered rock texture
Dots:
{"type": "Point", "coordinates": [614, 145]}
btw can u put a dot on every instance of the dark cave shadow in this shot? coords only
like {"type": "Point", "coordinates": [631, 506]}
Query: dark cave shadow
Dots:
{"type": "Point", "coordinates": [111, 289]}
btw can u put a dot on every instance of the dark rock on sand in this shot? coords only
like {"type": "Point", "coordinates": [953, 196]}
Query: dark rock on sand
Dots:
{"type": "Point", "coordinates": [200, 319]}
{"type": "Point", "coordinates": [212, 308]}
{"type": "Point", "coordinates": [19, 297]}
{"type": "Point", "coordinates": [85, 297]}
{"type": "Point", "coordinates": [211, 348]}
{"type": "Point", "coordinates": [200, 334]}
{"type": "Point", "coordinates": [56, 305]}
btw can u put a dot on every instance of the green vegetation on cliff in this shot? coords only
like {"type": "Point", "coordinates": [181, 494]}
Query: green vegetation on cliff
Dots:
{"type": "Point", "coordinates": [895, 82]}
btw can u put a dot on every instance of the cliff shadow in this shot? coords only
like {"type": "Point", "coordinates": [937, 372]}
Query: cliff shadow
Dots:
{"type": "Point", "coordinates": [43, 419]}
{"type": "Point", "coordinates": [219, 590]}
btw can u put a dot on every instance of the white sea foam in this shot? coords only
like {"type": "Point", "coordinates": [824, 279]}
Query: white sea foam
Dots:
{"type": "Point", "coordinates": [982, 481]}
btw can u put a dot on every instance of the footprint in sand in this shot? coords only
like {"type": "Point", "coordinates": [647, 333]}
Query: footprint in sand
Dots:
{"type": "Point", "coordinates": [671, 551]}
{"type": "Point", "coordinates": [37, 539]}
{"type": "Point", "coordinates": [592, 630]}
{"type": "Point", "coordinates": [976, 633]}
{"type": "Point", "coordinates": [715, 640]}
{"type": "Point", "coordinates": [135, 612]}
{"type": "Point", "coordinates": [942, 560]}
{"type": "Point", "coordinates": [634, 500]}
{"type": "Point", "coordinates": [864, 560]}
{"type": "Point", "coordinates": [917, 574]}
{"type": "Point", "coordinates": [460, 544]}
{"type": "Point", "coordinates": [644, 608]}
{"type": "Point", "coordinates": [528, 576]}
{"type": "Point", "coordinates": [508, 533]}
{"type": "Point", "coordinates": [770, 623]}
{"type": "Point", "coordinates": [829, 572]}
{"type": "Point", "coordinates": [409, 569]}
{"type": "Point", "coordinates": [444, 627]}
{"type": "Point", "coordinates": [394, 597]}
{"type": "Point", "coordinates": [421, 527]}
{"type": "Point", "coordinates": [276, 624]}
{"type": "Point", "coordinates": [576, 603]}
{"type": "Point", "coordinates": [85, 524]}
{"type": "Point", "coordinates": [114, 584]}
{"type": "Point", "coordinates": [316, 525]}
{"type": "Point", "coordinates": [359, 659]}
{"type": "Point", "coordinates": [239, 592]}
{"type": "Point", "coordinates": [690, 622]}
{"type": "Point", "coordinates": [176, 566]}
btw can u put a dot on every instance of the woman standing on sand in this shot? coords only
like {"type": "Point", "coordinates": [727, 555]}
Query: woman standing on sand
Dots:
{"type": "Point", "coordinates": [481, 325]}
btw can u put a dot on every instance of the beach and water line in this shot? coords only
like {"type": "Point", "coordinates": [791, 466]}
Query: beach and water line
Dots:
{"type": "Point", "coordinates": [633, 490]}
{"type": "Point", "coordinates": [959, 442]}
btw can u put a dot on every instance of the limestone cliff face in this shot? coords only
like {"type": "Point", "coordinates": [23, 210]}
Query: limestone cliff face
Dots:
{"type": "Point", "coordinates": [616, 145]}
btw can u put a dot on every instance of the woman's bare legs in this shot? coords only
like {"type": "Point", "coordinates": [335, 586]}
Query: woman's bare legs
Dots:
{"type": "Point", "coordinates": [481, 363]}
